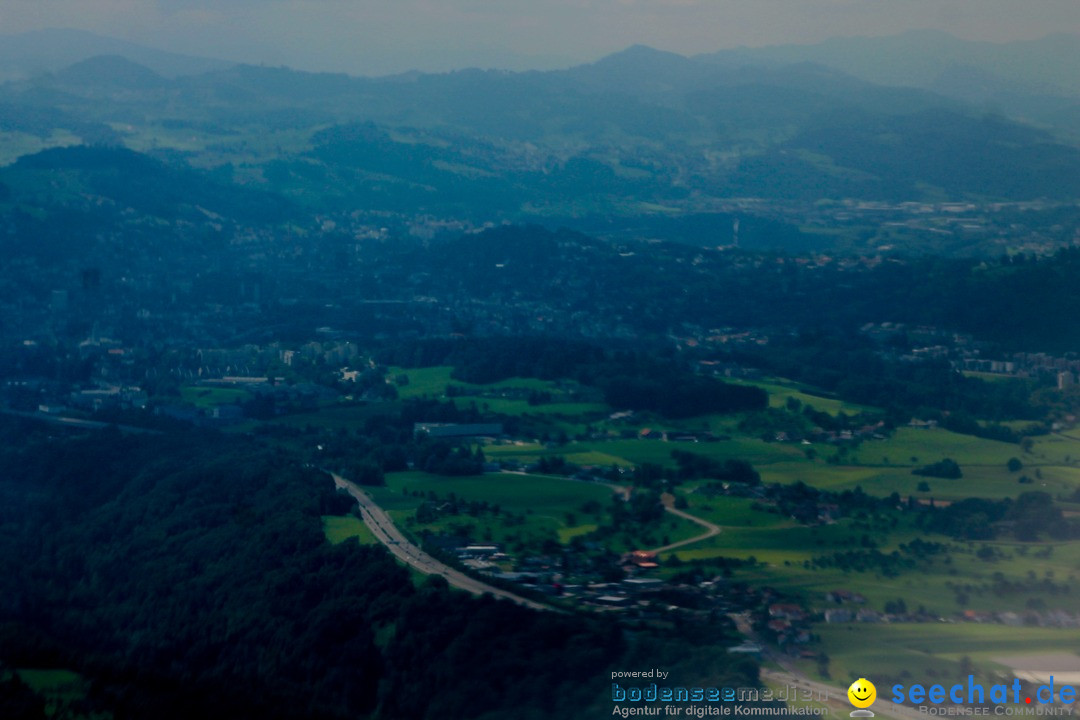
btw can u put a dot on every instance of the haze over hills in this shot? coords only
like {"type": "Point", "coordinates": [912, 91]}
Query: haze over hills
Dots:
{"type": "Point", "coordinates": [1035, 80]}
{"type": "Point", "coordinates": [634, 134]}
{"type": "Point", "coordinates": [918, 58]}
{"type": "Point", "coordinates": [37, 52]}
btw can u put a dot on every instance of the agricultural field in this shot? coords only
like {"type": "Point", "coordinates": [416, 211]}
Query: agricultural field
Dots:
{"type": "Point", "coordinates": [941, 650]}
{"type": "Point", "coordinates": [570, 409]}
{"type": "Point", "coordinates": [531, 510]}
{"type": "Point", "coordinates": [780, 390]}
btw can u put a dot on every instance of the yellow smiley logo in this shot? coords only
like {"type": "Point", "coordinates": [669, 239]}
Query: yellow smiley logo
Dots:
{"type": "Point", "coordinates": [862, 693]}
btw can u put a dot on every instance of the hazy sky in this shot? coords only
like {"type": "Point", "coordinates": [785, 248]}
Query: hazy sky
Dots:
{"type": "Point", "coordinates": [381, 36]}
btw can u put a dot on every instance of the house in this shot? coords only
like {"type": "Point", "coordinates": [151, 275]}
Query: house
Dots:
{"type": "Point", "coordinates": [478, 551]}
{"type": "Point", "coordinates": [838, 615]}
{"type": "Point", "coordinates": [786, 611]}
{"type": "Point", "coordinates": [641, 558]}
{"type": "Point", "coordinates": [778, 626]}
{"type": "Point", "coordinates": [638, 584]}
{"type": "Point", "coordinates": [844, 596]}
{"type": "Point", "coordinates": [612, 600]}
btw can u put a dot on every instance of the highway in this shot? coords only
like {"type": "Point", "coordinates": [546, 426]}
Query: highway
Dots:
{"type": "Point", "coordinates": [389, 535]}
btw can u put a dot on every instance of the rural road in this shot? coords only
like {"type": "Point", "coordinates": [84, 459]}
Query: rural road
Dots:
{"type": "Point", "coordinates": [669, 504]}
{"type": "Point", "coordinates": [388, 534]}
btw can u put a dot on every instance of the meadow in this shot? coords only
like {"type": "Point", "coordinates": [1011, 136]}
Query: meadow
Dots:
{"type": "Point", "coordinates": [61, 690]}
{"type": "Point", "coordinates": [338, 529]}
{"type": "Point", "coordinates": [533, 510]}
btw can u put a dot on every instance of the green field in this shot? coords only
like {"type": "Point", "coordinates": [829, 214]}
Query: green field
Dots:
{"type": "Point", "coordinates": [62, 690]}
{"type": "Point", "coordinates": [571, 407]}
{"type": "Point", "coordinates": [780, 390]}
{"type": "Point", "coordinates": [929, 651]}
{"type": "Point", "coordinates": [637, 451]}
{"type": "Point", "coordinates": [541, 508]}
{"type": "Point", "coordinates": [933, 444]}
{"type": "Point", "coordinates": [519, 493]}
{"type": "Point", "coordinates": [338, 529]}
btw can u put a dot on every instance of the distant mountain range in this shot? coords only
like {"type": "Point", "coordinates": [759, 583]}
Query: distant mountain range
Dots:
{"type": "Point", "coordinates": [920, 58]}
{"type": "Point", "coordinates": [1036, 80]}
{"type": "Point", "coordinates": [34, 53]}
{"type": "Point", "coordinates": [638, 129]}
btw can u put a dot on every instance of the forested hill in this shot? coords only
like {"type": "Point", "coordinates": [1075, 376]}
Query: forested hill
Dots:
{"type": "Point", "coordinates": [188, 576]}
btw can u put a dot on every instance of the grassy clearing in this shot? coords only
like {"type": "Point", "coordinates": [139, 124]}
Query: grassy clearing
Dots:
{"type": "Point", "coordinates": [338, 529]}
{"type": "Point", "coordinates": [912, 447]}
{"type": "Point", "coordinates": [989, 376]}
{"type": "Point", "coordinates": [50, 681]}
{"type": "Point", "coordinates": [207, 397]}
{"type": "Point", "coordinates": [540, 505]}
{"type": "Point", "coordinates": [423, 382]}
{"type": "Point", "coordinates": [780, 390]}
{"type": "Point", "coordinates": [1053, 450]}
{"type": "Point", "coordinates": [62, 690]}
{"type": "Point", "coordinates": [729, 512]}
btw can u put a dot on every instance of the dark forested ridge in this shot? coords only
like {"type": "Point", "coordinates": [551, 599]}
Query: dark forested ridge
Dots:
{"type": "Point", "coordinates": [188, 576]}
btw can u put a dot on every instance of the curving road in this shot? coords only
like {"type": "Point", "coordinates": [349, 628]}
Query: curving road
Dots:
{"type": "Point", "coordinates": [388, 534]}
{"type": "Point", "coordinates": [669, 504]}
